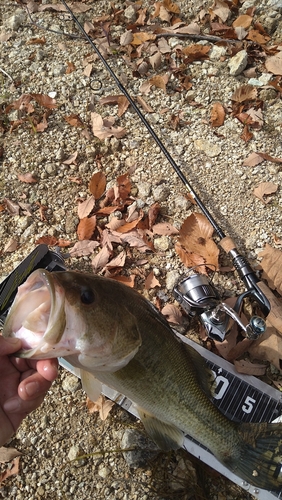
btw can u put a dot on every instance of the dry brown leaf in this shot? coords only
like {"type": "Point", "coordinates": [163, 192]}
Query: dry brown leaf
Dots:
{"type": "Point", "coordinates": [246, 134]}
{"type": "Point", "coordinates": [71, 160]}
{"type": "Point", "coordinates": [121, 100]}
{"type": "Point", "coordinates": [141, 37]}
{"type": "Point", "coordinates": [244, 93]}
{"type": "Point", "coordinates": [86, 228]}
{"type": "Point", "coordinates": [77, 7]}
{"type": "Point", "coordinates": [10, 246]}
{"type": "Point", "coordinates": [117, 261]}
{"type": "Point", "coordinates": [268, 347]}
{"type": "Point", "coordinates": [102, 128]}
{"type": "Point", "coordinates": [102, 405]}
{"type": "Point", "coordinates": [253, 160]}
{"type": "Point", "coordinates": [85, 207]}
{"type": "Point", "coordinates": [70, 68]}
{"type": "Point", "coordinates": [40, 127]}
{"type": "Point", "coordinates": [36, 41]}
{"type": "Point", "coordinates": [85, 247]}
{"type": "Point", "coordinates": [47, 240]}
{"type": "Point", "coordinates": [195, 237]}
{"type": "Point", "coordinates": [274, 64]}
{"type": "Point", "coordinates": [97, 184]}
{"type": "Point", "coordinates": [190, 259]}
{"type": "Point", "coordinates": [265, 189]}
{"type": "Point", "coordinates": [172, 314]}
{"type": "Point", "coordinates": [217, 115]}
{"type": "Point", "coordinates": [28, 178]}
{"type": "Point", "coordinates": [272, 267]}
{"type": "Point", "coordinates": [171, 6]}
{"type": "Point", "coordinates": [8, 454]}
{"type": "Point", "coordinates": [159, 81]}
{"type": "Point", "coordinates": [258, 37]}
{"type": "Point", "coordinates": [164, 229]}
{"type": "Point", "coordinates": [133, 239]}
{"type": "Point", "coordinates": [245, 366]}
{"type": "Point", "coordinates": [144, 104]}
{"type": "Point", "coordinates": [127, 280]}
{"type": "Point", "coordinates": [12, 207]}
{"type": "Point", "coordinates": [74, 120]}
{"type": "Point", "coordinates": [12, 470]}
{"type": "Point", "coordinates": [221, 10]}
{"type": "Point", "coordinates": [196, 52]}
{"type": "Point", "coordinates": [126, 38]}
{"type": "Point", "coordinates": [44, 100]}
{"type": "Point", "coordinates": [88, 70]}
{"type": "Point", "coordinates": [151, 281]}
{"type": "Point", "coordinates": [164, 15]}
{"type": "Point", "coordinates": [244, 20]}
{"type": "Point", "coordinates": [101, 259]}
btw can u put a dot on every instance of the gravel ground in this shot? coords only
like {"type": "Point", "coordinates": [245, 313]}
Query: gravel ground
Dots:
{"type": "Point", "coordinates": [212, 159]}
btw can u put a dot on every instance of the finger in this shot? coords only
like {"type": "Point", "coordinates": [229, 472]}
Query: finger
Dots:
{"type": "Point", "coordinates": [33, 386]}
{"type": "Point", "coordinates": [9, 345]}
{"type": "Point", "coordinates": [48, 368]}
{"type": "Point", "coordinates": [17, 405]}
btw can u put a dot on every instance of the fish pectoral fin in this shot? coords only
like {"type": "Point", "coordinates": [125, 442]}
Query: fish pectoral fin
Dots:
{"type": "Point", "coordinates": [91, 385]}
{"type": "Point", "coordinates": [165, 435]}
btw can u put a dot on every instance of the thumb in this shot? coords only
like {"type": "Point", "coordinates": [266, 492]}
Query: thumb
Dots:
{"type": "Point", "coordinates": [9, 345]}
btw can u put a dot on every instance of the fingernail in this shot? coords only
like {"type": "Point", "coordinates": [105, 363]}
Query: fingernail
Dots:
{"type": "Point", "coordinates": [11, 405]}
{"type": "Point", "coordinates": [32, 388]}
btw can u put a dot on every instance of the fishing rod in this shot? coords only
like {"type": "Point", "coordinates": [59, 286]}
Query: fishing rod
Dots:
{"type": "Point", "coordinates": [196, 294]}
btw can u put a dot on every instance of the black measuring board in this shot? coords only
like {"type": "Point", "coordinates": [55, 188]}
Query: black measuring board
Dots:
{"type": "Point", "coordinates": [240, 401]}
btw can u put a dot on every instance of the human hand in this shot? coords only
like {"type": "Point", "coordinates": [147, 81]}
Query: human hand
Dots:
{"type": "Point", "coordinates": [23, 385]}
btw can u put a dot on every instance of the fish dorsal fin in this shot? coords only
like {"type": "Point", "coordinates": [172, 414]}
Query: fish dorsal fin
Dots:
{"type": "Point", "coordinates": [91, 385]}
{"type": "Point", "coordinates": [204, 375]}
{"type": "Point", "coordinates": [165, 435]}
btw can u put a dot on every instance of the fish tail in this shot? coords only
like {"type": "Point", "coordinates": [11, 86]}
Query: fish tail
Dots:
{"type": "Point", "coordinates": [260, 461]}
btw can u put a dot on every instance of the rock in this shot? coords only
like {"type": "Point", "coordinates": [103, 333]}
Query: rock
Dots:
{"type": "Point", "coordinates": [104, 471]}
{"type": "Point", "coordinates": [144, 189]}
{"type": "Point", "coordinates": [130, 14]}
{"type": "Point", "coordinates": [15, 21]}
{"type": "Point", "coordinates": [75, 452]}
{"type": "Point", "coordinates": [172, 278]}
{"type": "Point", "coordinates": [162, 244]}
{"type": "Point", "coordinates": [210, 149]}
{"type": "Point", "coordinates": [71, 383]}
{"type": "Point", "coordinates": [145, 449]}
{"type": "Point", "coordinates": [182, 203]}
{"type": "Point", "coordinates": [161, 192]}
{"type": "Point", "coordinates": [238, 63]}
{"type": "Point", "coordinates": [71, 224]}
{"type": "Point", "coordinates": [216, 52]}
{"type": "Point", "coordinates": [268, 94]}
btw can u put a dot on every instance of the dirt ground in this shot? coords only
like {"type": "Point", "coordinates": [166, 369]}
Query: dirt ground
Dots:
{"type": "Point", "coordinates": [41, 186]}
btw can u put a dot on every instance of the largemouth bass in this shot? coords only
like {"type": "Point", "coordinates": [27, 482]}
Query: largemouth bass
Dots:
{"type": "Point", "coordinates": [115, 336]}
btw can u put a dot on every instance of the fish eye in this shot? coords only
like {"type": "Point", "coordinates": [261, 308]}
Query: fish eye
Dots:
{"type": "Point", "coordinates": [87, 296]}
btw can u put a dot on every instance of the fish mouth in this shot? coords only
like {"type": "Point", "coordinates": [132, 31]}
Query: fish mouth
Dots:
{"type": "Point", "coordinates": [37, 317]}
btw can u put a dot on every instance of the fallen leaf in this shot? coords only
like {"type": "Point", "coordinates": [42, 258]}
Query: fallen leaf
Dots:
{"type": "Point", "coordinates": [36, 41]}
{"type": "Point", "coordinates": [257, 37]}
{"type": "Point", "coordinates": [97, 184]}
{"type": "Point", "coordinates": [244, 20]}
{"type": "Point", "coordinates": [10, 246]}
{"type": "Point", "coordinates": [195, 237]}
{"type": "Point", "coordinates": [12, 470]}
{"type": "Point", "coordinates": [195, 52]}
{"type": "Point", "coordinates": [141, 37]}
{"type": "Point", "coordinates": [144, 104]}
{"type": "Point", "coordinates": [47, 240]}
{"type": "Point", "coordinates": [172, 314]}
{"type": "Point", "coordinates": [221, 10]}
{"type": "Point", "coordinates": [28, 178]}
{"type": "Point", "coordinates": [274, 64]}
{"type": "Point", "coordinates": [102, 128]}
{"type": "Point", "coordinates": [88, 70]}
{"type": "Point", "coordinates": [272, 266]}
{"type": "Point", "coordinates": [253, 160]}
{"type": "Point", "coordinates": [133, 239]}
{"type": "Point", "coordinates": [82, 248]}
{"type": "Point", "coordinates": [244, 93]}
{"type": "Point", "coordinates": [85, 207]}
{"type": "Point", "coordinates": [86, 227]}
{"type": "Point", "coordinates": [127, 280]}
{"type": "Point", "coordinates": [217, 114]}
{"type": "Point", "coordinates": [268, 347]}
{"type": "Point", "coordinates": [71, 160]}
{"type": "Point", "coordinates": [40, 127]}
{"type": "Point", "coordinates": [101, 259]}
{"type": "Point", "coordinates": [153, 213]}
{"type": "Point", "coordinates": [151, 281]}
{"type": "Point", "coordinates": [70, 68]}
{"type": "Point", "coordinates": [121, 100]}
{"type": "Point", "coordinates": [246, 134]}
{"type": "Point", "coordinates": [159, 81]}
{"type": "Point", "coordinates": [164, 229]}
{"type": "Point", "coordinates": [117, 261]}
{"type": "Point", "coordinates": [45, 101]}
{"type": "Point", "coordinates": [126, 38]}
{"type": "Point", "coordinates": [245, 366]}
{"type": "Point", "coordinates": [102, 405]}
{"type": "Point", "coordinates": [12, 207]}
{"type": "Point", "coordinates": [265, 189]}
{"type": "Point", "coordinates": [171, 6]}
{"type": "Point", "coordinates": [8, 454]}
{"type": "Point", "coordinates": [74, 120]}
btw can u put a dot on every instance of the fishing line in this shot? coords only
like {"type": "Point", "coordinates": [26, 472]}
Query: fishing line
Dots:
{"type": "Point", "coordinates": [255, 288]}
